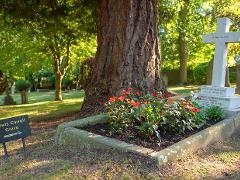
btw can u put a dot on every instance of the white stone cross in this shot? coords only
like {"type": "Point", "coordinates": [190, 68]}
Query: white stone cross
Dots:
{"type": "Point", "coordinates": [221, 38]}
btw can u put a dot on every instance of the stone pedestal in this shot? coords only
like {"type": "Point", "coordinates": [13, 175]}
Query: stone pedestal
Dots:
{"type": "Point", "coordinates": [223, 97]}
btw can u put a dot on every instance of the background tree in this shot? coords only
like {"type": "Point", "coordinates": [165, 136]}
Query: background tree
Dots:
{"type": "Point", "coordinates": [3, 83]}
{"type": "Point", "coordinates": [57, 26]}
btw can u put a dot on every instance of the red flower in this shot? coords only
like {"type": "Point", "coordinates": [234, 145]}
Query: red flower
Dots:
{"type": "Point", "coordinates": [138, 93]}
{"type": "Point", "coordinates": [129, 89]}
{"type": "Point", "coordinates": [196, 110]}
{"type": "Point", "coordinates": [183, 100]}
{"type": "Point", "coordinates": [136, 104]}
{"type": "Point", "coordinates": [166, 95]}
{"type": "Point", "coordinates": [155, 94]}
{"type": "Point", "coordinates": [113, 99]}
{"type": "Point", "coordinates": [170, 100]}
{"type": "Point", "coordinates": [126, 93]}
{"type": "Point", "coordinates": [121, 98]}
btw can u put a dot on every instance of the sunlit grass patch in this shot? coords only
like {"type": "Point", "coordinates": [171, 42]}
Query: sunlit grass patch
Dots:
{"type": "Point", "coordinates": [183, 89]}
{"type": "Point", "coordinates": [228, 157]}
{"type": "Point", "coordinates": [42, 106]}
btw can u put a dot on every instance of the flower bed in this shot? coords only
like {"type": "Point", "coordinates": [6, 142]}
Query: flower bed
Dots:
{"type": "Point", "coordinates": [152, 114]}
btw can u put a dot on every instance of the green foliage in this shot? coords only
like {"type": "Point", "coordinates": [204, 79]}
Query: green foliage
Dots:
{"type": "Point", "coordinates": [67, 83]}
{"type": "Point", "coordinates": [121, 110]}
{"type": "Point", "coordinates": [232, 76]}
{"type": "Point", "coordinates": [179, 116]}
{"type": "Point", "coordinates": [200, 73]}
{"type": "Point", "coordinates": [62, 32]}
{"type": "Point", "coordinates": [199, 18]}
{"type": "Point", "coordinates": [23, 85]}
{"type": "Point", "coordinates": [214, 113]}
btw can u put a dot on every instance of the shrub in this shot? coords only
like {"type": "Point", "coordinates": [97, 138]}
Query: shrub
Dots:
{"type": "Point", "coordinates": [179, 116]}
{"type": "Point", "coordinates": [121, 109]}
{"type": "Point", "coordinates": [200, 73]}
{"type": "Point", "coordinates": [214, 113]}
{"type": "Point", "coordinates": [23, 85]}
{"type": "Point", "coordinates": [150, 113]}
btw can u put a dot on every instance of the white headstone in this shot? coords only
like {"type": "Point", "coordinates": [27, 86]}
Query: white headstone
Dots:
{"type": "Point", "coordinates": [221, 38]}
{"type": "Point", "coordinates": [13, 88]}
{"type": "Point", "coordinates": [217, 94]}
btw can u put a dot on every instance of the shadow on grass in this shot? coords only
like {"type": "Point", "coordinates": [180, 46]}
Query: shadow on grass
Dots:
{"type": "Point", "coordinates": [48, 160]}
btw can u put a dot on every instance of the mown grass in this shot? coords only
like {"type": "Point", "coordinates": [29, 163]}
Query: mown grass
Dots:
{"type": "Point", "coordinates": [183, 89]}
{"type": "Point", "coordinates": [42, 106]}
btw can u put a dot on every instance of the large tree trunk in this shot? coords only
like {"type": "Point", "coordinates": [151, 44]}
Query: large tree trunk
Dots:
{"type": "Point", "coordinates": [128, 53]}
{"type": "Point", "coordinates": [182, 48]}
{"type": "Point", "coordinates": [183, 56]}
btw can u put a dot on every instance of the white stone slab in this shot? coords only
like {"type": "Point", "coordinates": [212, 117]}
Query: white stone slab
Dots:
{"type": "Point", "coordinates": [227, 103]}
{"type": "Point", "coordinates": [217, 91]}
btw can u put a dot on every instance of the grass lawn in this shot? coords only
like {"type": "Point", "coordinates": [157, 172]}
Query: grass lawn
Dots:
{"type": "Point", "coordinates": [43, 107]}
{"type": "Point", "coordinates": [184, 89]}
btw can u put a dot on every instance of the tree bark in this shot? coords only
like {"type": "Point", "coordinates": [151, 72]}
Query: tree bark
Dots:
{"type": "Point", "coordinates": [60, 68]}
{"type": "Point", "coordinates": [58, 86]}
{"type": "Point", "coordinates": [24, 96]}
{"type": "Point", "coordinates": [209, 72]}
{"type": "Point", "coordinates": [183, 47]}
{"type": "Point", "coordinates": [3, 83]}
{"type": "Point", "coordinates": [128, 53]}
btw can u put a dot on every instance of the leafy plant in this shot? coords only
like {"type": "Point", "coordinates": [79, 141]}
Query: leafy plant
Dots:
{"type": "Point", "coordinates": [121, 111]}
{"type": "Point", "coordinates": [23, 85]}
{"type": "Point", "coordinates": [214, 113]}
{"type": "Point", "coordinates": [179, 116]}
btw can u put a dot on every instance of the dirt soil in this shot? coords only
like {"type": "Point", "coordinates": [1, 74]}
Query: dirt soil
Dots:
{"type": "Point", "coordinates": [132, 136]}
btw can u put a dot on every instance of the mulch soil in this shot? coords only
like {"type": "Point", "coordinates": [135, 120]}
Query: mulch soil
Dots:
{"type": "Point", "coordinates": [132, 136]}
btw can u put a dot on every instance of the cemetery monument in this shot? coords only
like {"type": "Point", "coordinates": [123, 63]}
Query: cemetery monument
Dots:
{"type": "Point", "coordinates": [217, 94]}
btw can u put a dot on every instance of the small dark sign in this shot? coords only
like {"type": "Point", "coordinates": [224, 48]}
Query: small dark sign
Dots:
{"type": "Point", "coordinates": [14, 128]}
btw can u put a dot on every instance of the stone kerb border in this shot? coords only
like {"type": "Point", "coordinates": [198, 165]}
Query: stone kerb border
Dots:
{"type": "Point", "coordinates": [69, 134]}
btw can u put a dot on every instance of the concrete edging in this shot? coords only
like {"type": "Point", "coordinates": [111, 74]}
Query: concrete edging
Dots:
{"type": "Point", "coordinates": [68, 134]}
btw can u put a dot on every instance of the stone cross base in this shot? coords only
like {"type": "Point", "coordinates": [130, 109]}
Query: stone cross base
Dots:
{"type": "Point", "coordinates": [219, 96]}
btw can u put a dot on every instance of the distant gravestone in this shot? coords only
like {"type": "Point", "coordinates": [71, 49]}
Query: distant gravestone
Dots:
{"type": "Point", "coordinates": [217, 94]}
{"type": "Point", "coordinates": [13, 87]}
